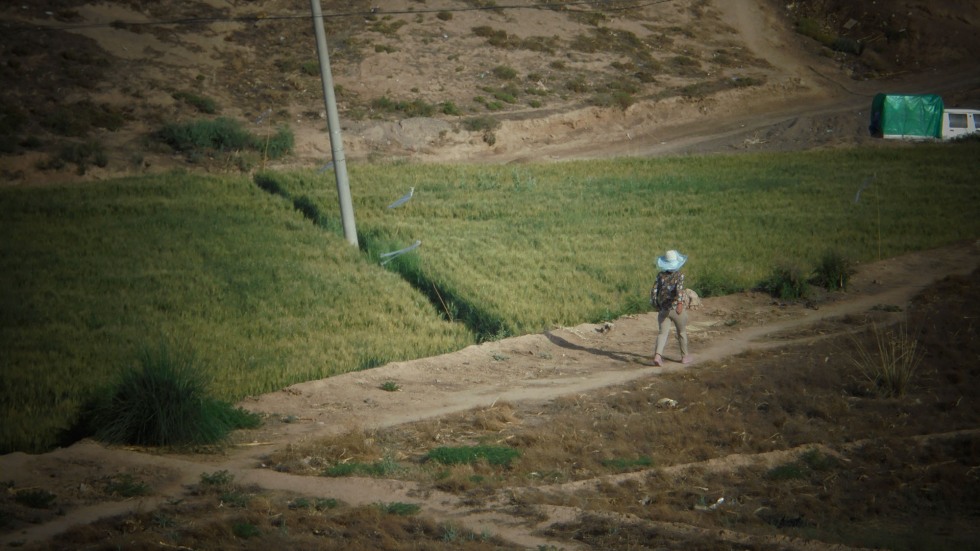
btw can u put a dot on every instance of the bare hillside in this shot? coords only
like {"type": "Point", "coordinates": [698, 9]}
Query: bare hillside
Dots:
{"type": "Point", "coordinates": [460, 80]}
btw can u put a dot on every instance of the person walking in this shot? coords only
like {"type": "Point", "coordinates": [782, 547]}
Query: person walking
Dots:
{"type": "Point", "coordinates": [668, 297]}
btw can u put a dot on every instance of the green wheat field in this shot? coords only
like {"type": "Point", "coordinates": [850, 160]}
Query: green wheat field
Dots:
{"type": "Point", "coordinates": [253, 275]}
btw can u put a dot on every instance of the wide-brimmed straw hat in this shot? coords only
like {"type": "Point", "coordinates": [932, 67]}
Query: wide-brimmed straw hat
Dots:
{"type": "Point", "coordinates": [671, 261]}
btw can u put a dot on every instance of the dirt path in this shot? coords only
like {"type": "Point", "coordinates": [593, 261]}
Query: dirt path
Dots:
{"type": "Point", "coordinates": [534, 368]}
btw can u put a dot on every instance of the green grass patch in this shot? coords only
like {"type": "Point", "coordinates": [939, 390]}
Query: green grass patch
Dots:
{"type": "Point", "coordinates": [90, 272]}
{"type": "Point", "coordinates": [406, 108]}
{"type": "Point", "coordinates": [621, 465]}
{"type": "Point", "coordinates": [464, 455]}
{"type": "Point", "coordinates": [223, 135]}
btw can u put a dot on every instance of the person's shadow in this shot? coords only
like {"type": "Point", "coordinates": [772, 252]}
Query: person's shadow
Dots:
{"type": "Point", "coordinates": [625, 357]}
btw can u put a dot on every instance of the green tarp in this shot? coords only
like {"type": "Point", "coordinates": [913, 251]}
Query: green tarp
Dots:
{"type": "Point", "coordinates": [907, 116]}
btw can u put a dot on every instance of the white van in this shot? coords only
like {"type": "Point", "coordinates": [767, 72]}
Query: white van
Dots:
{"type": "Point", "coordinates": [960, 122]}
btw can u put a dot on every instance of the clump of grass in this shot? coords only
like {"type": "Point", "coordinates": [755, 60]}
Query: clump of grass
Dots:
{"type": "Point", "coordinates": [620, 464]}
{"type": "Point", "coordinates": [217, 479]}
{"type": "Point", "coordinates": [201, 103]}
{"type": "Point", "coordinates": [77, 119]}
{"type": "Point", "coordinates": [390, 386]}
{"type": "Point", "coordinates": [126, 485]}
{"type": "Point", "coordinates": [245, 530]}
{"type": "Point", "coordinates": [788, 471]}
{"type": "Point", "coordinates": [382, 467]}
{"type": "Point", "coordinates": [833, 272]}
{"type": "Point", "coordinates": [714, 284]}
{"type": "Point", "coordinates": [310, 67]}
{"type": "Point", "coordinates": [503, 72]}
{"type": "Point", "coordinates": [891, 362]}
{"type": "Point", "coordinates": [482, 123]}
{"type": "Point", "coordinates": [80, 154]}
{"type": "Point", "coordinates": [223, 135]}
{"type": "Point", "coordinates": [786, 282]}
{"type": "Point", "coordinates": [35, 498]}
{"type": "Point", "coordinates": [399, 508]}
{"type": "Point", "coordinates": [460, 455]}
{"type": "Point", "coordinates": [413, 108]}
{"type": "Point", "coordinates": [164, 403]}
{"type": "Point", "coordinates": [450, 108]}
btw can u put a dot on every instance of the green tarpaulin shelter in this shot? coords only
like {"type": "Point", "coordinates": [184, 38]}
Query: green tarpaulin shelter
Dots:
{"type": "Point", "coordinates": [907, 116]}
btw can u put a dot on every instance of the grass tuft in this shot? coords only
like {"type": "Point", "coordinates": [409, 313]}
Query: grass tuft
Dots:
{"type": "Point", "coordinates": [786, 282]}
{"type": "Point", "coordinates": [164, 403]}
{"type": "Point", "coordinates": [891, 362]}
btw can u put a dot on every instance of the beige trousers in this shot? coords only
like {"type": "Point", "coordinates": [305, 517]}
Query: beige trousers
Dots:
{"type": "Point", "coordinates": [665, 318]}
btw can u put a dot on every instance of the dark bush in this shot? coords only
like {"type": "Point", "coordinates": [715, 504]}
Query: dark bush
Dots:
{"type": "Point", "coordinates": [164, 403]}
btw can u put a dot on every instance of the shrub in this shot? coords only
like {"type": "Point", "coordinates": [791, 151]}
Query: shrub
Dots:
{"type": "Point", "coordinates": [280, 144]}
{"type": "Point", "coordinates": [786, 283]}
{"type": "Point", "coordinates": [245, 530]}
{"type": "Point", "coordinates": [504, 72]}
{"type": "Point", "coordinates": [35, 498]}
{"type": "Point", "coordinates": [449, 108]}
{"type": "Point", "coordinates": [224, 135]}
{"type": "Point", "coordinates": [484, 123]}
{"type": "Point", "coordinates": [164, 403]}
{"type": "Point", "coordinates": [221, 134]}
{"type": "Point", "coordinates": [833, 272]}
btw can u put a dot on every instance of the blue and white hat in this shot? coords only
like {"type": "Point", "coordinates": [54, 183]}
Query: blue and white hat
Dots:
{"type": "Point", "coordinates": [671, 261]}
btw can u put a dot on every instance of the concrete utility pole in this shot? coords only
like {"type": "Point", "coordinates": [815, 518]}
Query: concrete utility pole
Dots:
{"type": "Point", "coordinates": [333, 124]}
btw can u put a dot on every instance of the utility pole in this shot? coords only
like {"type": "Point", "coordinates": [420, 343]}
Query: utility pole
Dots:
{"type": "Point", "coordinates": [333, 124]}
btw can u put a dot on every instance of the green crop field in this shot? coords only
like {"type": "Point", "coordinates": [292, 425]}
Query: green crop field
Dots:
{"type": "Point", "coordinates": [254, 277]}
